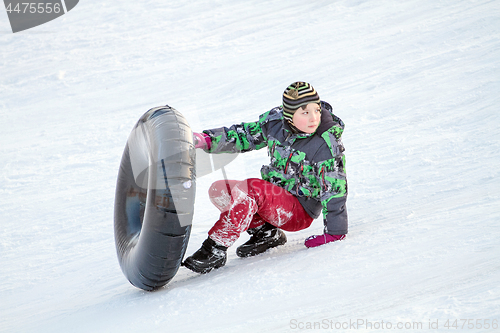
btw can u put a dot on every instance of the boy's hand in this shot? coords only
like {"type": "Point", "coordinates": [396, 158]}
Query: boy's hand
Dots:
{"type": "Point", "coordinates": [318, 240]}
{"type": "Point", "coordinates": [201, 140]}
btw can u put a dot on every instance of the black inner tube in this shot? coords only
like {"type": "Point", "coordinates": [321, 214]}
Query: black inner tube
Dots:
{"type": "Point", "coordinates": [154, 201]}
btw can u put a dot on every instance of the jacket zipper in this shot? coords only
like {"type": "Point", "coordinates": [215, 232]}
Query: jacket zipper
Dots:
{"type": "Point", "coordinates": [272, 149]}
{"type": "Point", "coordinates": [323, 177]}
{"type": "Point", "coordinates": [289, 157]}
{"type": "Point", "coordinates": [288, 161]}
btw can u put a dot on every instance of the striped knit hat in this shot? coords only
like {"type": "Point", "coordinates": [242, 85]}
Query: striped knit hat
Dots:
{"type": "Point", "coordinates": [296, 95]}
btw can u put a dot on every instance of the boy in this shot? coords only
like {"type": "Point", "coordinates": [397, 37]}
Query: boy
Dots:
{"type": "Point", "coordinates": [305, 177]}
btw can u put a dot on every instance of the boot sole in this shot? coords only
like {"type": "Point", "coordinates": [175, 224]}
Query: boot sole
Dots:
{"type": "Point", "coordinates": [250, 252]}
{"type": "Point", "coordinates": [198, 267]}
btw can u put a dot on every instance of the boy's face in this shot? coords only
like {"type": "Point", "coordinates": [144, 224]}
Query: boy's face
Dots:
{"type": "Point", "coordinates": [307, 120]}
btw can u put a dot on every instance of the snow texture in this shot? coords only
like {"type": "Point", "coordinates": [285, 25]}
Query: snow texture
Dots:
{"type": "Point", "coordinates": [416, 82]}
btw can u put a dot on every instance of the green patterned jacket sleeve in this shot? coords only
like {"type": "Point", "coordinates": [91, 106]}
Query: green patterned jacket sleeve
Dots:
{"type": "Point", "coordinates": [238, 138]}
{"type": "Point", "coordinates": [332, 177]}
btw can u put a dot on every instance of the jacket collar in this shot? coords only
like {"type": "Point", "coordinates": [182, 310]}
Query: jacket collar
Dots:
{"type": "Point", "coordinates": [326, 119]}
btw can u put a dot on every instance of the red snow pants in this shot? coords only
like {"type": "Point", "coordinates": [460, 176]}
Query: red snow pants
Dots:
{"type": "Point", "coordinates": [250, 203]}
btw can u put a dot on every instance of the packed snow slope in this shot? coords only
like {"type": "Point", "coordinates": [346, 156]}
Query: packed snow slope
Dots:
{"type": "Point", "coordinates": [416, 82]}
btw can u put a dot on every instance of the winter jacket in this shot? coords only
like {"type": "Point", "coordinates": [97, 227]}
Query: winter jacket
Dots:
{"type": "Point", "coordinates": [310, 166]}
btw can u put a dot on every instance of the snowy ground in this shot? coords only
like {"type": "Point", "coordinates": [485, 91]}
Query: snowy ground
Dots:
{"type": "Point", "coordinates": [416, 82]}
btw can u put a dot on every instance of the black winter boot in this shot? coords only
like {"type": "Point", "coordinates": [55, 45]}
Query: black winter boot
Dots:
{"type": "Point", "coordinates": [209, 256]}
{"type": "Point", "coordinates": [262, 238]}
